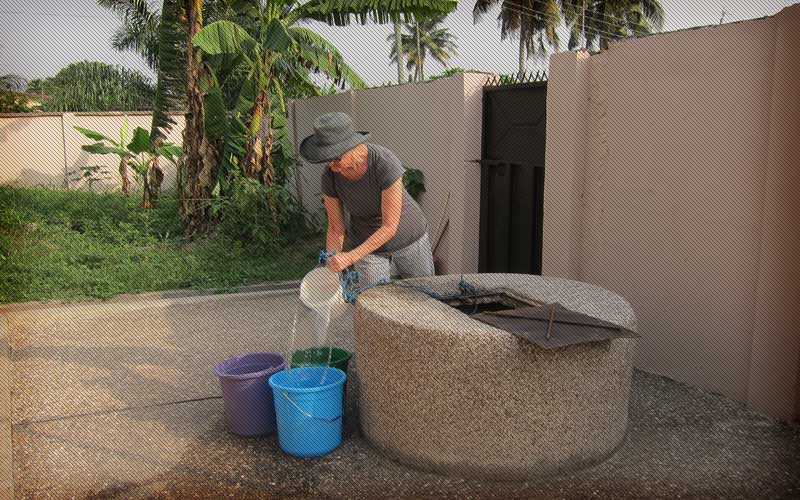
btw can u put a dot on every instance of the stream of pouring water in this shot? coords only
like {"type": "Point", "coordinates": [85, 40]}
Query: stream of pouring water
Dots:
{"type": "Point", "coordinates": [317, 335]}
{"type": "Point", "coordinates": [291, 337]}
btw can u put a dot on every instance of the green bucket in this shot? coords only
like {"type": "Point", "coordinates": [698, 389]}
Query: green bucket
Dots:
{"type": "Point", "coordinates": [318, 356]}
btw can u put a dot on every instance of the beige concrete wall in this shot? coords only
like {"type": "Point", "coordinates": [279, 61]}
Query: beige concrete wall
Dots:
{"type": "Point", "coordinates": [434, 127]}
{"type": "Point", "coordinates": [32, 150]}
{"type": "Point", "coordinates": [774, 363]}
{"type": "Point", "coordinates": [465, 206]}
{"type": "Point", "coordinates": [667, 169]}
{"type": "Point", "coordinates": [565, 159]}
{"type": "Point", "coordinates": [46, 149]}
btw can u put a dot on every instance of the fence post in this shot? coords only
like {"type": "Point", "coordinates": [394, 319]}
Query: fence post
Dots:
{"type": "Point", "coordinates": [64, 151]}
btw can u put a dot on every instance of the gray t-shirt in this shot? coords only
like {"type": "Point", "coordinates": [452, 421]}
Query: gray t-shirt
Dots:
{"type": "Point", "coordinates": [362, 200]}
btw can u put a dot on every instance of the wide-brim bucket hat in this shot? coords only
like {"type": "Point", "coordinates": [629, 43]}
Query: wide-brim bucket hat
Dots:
{"type": "Point", "coordinates": [333, 136]}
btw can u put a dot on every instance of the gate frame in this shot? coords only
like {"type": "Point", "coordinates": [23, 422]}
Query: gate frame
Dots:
{"type": "Point", "coordinates": [494, 85]}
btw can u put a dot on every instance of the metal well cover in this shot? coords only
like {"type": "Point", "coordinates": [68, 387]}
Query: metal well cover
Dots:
{"type": "Point", "coordinates": [568, 327]}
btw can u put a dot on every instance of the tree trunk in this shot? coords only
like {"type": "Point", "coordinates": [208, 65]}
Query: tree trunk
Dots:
{"type": "Point", "coordinates": [201, 156]}
{"type": "Point", "coordinates": [147, 200]}
{"type": "Point", "coordinates": [252, 162]}
{"type": "Point", "coordinates": [398, 47]}
{"type": "Point", "coordinates": [156, 177]}
{"type": "Point", "coordinates": [123, 173]}
{"type": "Point", "coordinates": [522, 53]}
{"type": "Point", "coordinates": [603, 37]}
{"type": "Point", "coordinates": [153, 177]}
{"type": "Point", "coordinates": [269, 169]}
{"type": "Point", "coordinates": [583, 23]}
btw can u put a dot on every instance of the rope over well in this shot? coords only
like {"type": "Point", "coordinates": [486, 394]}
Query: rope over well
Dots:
{"type": "Point", "coordinates": [350, 291]}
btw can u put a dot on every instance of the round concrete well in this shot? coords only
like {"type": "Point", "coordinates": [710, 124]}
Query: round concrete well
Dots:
{"type": "Point", "coordinates": [444, 392]}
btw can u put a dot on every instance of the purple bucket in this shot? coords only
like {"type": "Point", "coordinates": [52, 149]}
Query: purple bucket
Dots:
{"type": "Point", "coordinates": [249, 407]}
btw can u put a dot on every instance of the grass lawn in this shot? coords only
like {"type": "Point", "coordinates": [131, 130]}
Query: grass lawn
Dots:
{"type": "Point", "coordinates": [68, 245]}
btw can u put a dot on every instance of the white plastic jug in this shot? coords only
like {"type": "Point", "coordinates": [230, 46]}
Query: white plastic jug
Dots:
{"type": "Point", "coordinates": [321, 292]}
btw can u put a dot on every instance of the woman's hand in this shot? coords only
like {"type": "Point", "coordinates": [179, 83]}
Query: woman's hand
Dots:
{"type": "Point", "coordinates": [340, 262]}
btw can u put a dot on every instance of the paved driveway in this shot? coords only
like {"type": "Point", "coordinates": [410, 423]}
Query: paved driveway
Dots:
{"type": "Point", "coordinates": [118, 400]}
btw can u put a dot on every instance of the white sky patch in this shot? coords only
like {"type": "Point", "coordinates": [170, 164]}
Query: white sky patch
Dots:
{"type": "Point", "coordinates": [38, 38]}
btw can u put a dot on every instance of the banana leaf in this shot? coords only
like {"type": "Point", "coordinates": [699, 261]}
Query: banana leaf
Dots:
{"type": "Point", "coordinates": [91, 134]}
{"type": "Point", "coordinates": [140, 142]}
{"type": "Point", "coordinates": [102, 149]}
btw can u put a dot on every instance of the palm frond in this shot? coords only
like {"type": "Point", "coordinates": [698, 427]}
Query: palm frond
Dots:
{"type": "Point", "coordinates": [343, 12]}
{"type": "Point", "coordinates": [482, 7]}
{"type": "Point", "coordinates": [295, 78]}
{"type": "Point", "coordinates": [171, 85]}
{"type": "Point", "coordinates": [319, 54]}
{"type": "Point", "coordinates": [636, 22]}
{"type": "Point", "coordinates": [139, 8]}
{"type": "Point", "coordinates": [142, 39]}
{"type": "Point", "coordinates": [139, 30]}
{"type": "Point", "coordinates": [654, 12]}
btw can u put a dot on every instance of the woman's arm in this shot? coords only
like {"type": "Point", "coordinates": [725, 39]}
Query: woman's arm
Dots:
{"type": "Point", "coordinates": [391, 207]}
{"type": "Point", "coordinates": [335, 236]}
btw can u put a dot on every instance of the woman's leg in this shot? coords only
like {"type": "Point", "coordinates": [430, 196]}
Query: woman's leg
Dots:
{"type": "Point", "coordinates": [415, 260]}
{"type": "Point", "coordinates": [372, 270]}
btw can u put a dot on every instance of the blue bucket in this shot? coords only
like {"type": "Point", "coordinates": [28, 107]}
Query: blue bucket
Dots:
{"type": "Point", "coordinates": [308, 406]}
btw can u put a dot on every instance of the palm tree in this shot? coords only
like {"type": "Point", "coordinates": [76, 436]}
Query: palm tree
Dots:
{"type": "Point", "coordinates": [398, 51]}
{"type": "Point", "coordinates": [268, 47]}
{"type": "Point", "coordinates": [534, 21]}
{"type": "Point", "coordinates": [424, 38]}
{"type": "Point", "coordinates": [596, 22]}
{"type": "Point", "coordinates": [139, 29]}
{"type": "Point", "coordinates": [95, 86]}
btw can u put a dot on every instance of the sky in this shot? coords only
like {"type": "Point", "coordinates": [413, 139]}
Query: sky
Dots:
{"type": "Point", "coordinates": [37, 38]}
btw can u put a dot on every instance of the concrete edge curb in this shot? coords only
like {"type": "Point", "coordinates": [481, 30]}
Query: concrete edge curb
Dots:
{"type": "Point", "coordinates": [6, 444]}
{"type": "Point", "coordinates": [149, 296]}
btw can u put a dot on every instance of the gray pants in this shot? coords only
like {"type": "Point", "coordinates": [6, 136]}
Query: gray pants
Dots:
{"type": "Point", "coordinates": [413, 261]}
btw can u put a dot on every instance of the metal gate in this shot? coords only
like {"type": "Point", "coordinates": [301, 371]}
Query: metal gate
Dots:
{"type": "Point", "coordinates": [512, 175]}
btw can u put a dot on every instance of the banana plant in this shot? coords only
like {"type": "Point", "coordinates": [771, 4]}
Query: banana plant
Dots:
{"type": "Point", "coordinates": [145, 159]}
{"type": "Point", "coordinates": [242, 132]}
{"type": "Point", "coordinates": [248, 130]}
{"type": "Point", "coordinates": [272, 48]}
{"type": "Point", "coordinates": [112, 147]}
{"type": "Point", "coordinates": [138, 154]}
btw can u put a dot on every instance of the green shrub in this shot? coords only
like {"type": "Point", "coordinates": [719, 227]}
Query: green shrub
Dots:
{"type": "Point", "coordinates": [414, 182]}
{"type": "Point", "coordinates": [261, 218]}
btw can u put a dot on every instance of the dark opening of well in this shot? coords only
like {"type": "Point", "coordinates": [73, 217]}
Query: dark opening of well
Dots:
{"type": "Point", "coordinates": [487, 302]}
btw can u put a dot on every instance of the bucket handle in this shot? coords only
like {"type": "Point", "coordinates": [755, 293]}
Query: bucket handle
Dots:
{"type": "Point", "coordinates": [329, 420]}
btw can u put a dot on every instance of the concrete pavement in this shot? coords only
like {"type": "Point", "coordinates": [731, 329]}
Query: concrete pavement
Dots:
{"type": "Point", "coordinates": [110, 393]}
{"type": "Point", "coordinates": [118, 400]}
{"type": "Point", "coordinates": [6, 460]}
